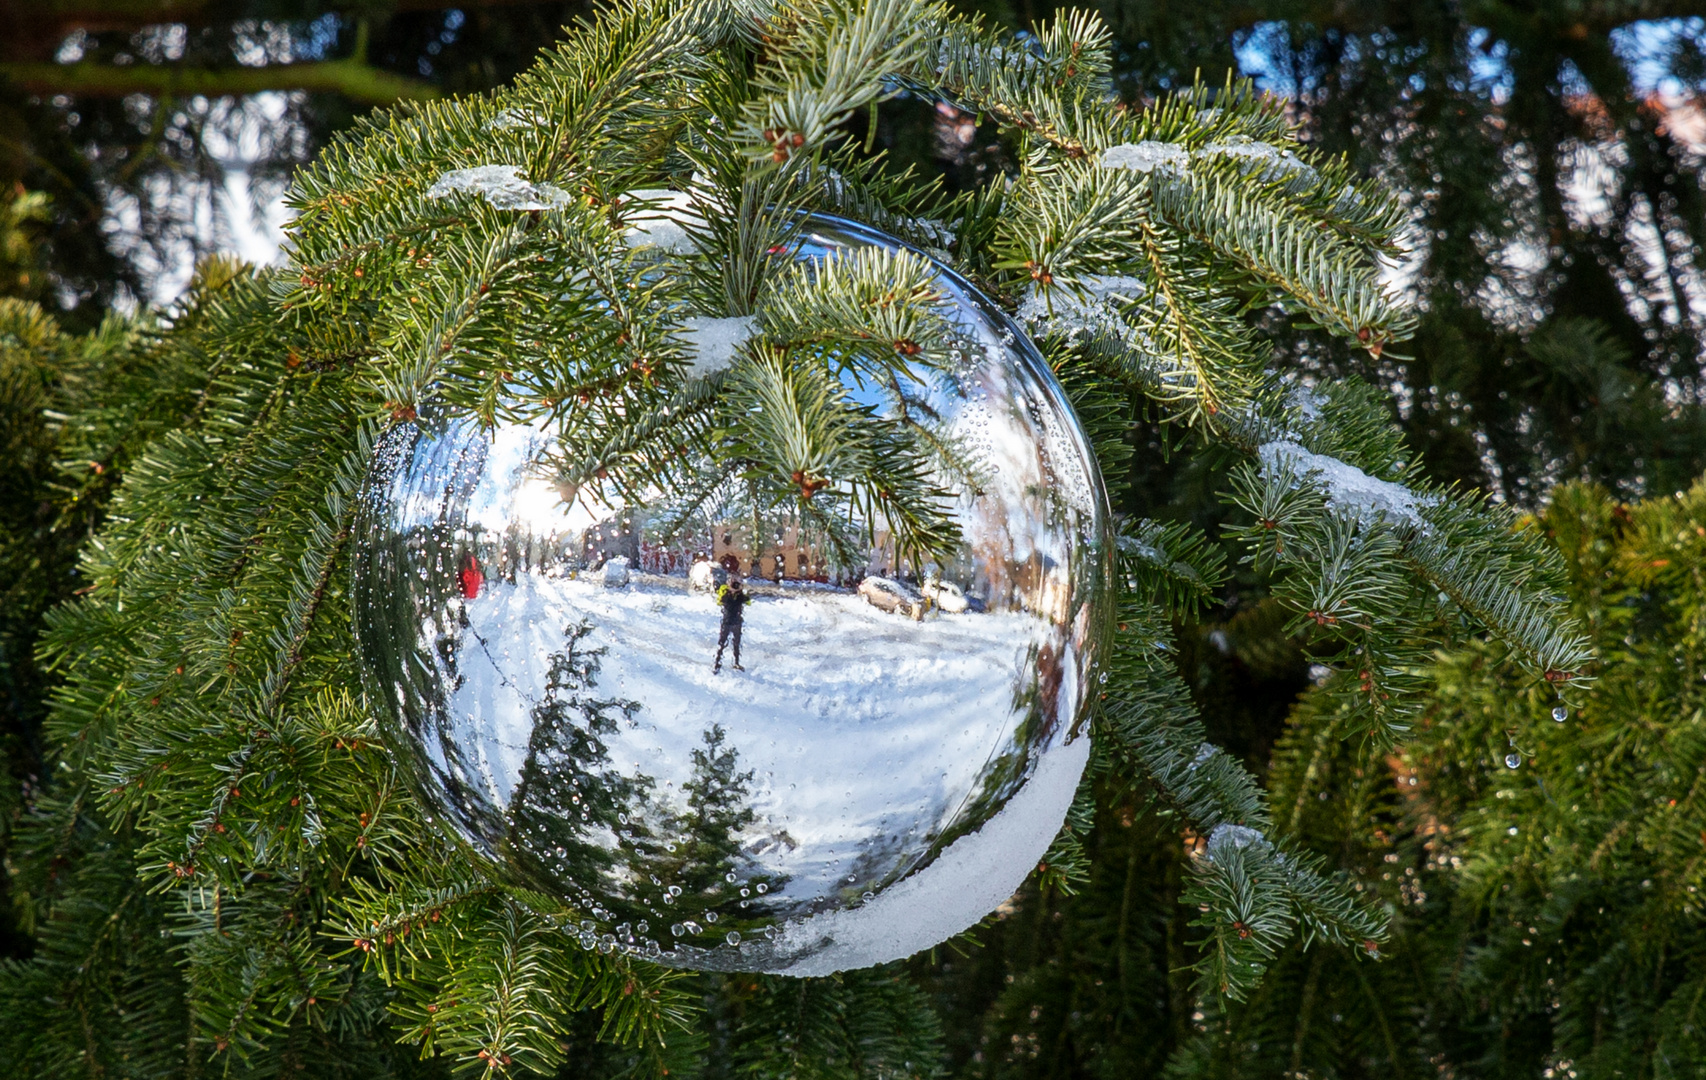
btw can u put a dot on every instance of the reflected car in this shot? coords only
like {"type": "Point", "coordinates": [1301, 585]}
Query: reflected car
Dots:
{"type": "Point", "coordinates": [947, 596]}
{"type": "Point", "coordinates": [887, 594]}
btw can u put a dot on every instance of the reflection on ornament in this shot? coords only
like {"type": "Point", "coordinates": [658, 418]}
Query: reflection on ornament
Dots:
{"type": "Point", "coordinates": [888, 748]}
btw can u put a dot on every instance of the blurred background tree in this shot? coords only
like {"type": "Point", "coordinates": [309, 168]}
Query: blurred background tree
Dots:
{"type": "Point", "coordinates": [1550, 152]}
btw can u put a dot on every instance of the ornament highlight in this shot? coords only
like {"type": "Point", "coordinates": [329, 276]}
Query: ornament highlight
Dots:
{"type": "Point", "coordinates": [724, 742]}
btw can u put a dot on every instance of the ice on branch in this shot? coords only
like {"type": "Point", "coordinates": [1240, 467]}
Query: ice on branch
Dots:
{"type": "Point", "coordinates": [660, 223]}
{"type": "Point", "coordinates": [502, 186]}
{"type": "Point", "coordinates": [1094, 307]}
{"type": "Point", "coordinates": [1276, 164]}
{"type": "Point", "coordinates": [938, 231]}
{"type": "Point", "coordinates": [1308, 403]}
{"type": "Point", "coordinates": [713, 343]}
{"type": "Point", "coordinates": [1146, 156]}
{"type": "Point", "coordinates": [1266, 161]}
{"type": "Point", "coordinates": [514, 118]}
{"type": "Point", "coordinates": [1226, 838]}
{"type": "Point", "coordinates": [1348, 488]}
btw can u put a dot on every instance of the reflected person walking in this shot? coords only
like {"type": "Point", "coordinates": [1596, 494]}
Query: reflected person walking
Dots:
{"type": "Point", "coordinates": [733, 599]}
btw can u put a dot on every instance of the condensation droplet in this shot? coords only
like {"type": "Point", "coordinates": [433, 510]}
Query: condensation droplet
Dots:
{"type": "Point", "coordinates": [1513, 760]}
{"type": "Point", "coordinates": [1560, 713]}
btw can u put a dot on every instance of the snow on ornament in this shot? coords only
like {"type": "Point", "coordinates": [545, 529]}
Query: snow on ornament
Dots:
{"type": "Point", "coordinates": [724, 746]}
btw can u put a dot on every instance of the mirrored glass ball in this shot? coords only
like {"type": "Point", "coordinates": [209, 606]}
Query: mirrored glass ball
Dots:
{"type": "Point", "coordinates": [718, 741]}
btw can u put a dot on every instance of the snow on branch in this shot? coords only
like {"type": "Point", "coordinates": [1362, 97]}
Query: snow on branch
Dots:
{"type": "Point", "coordinates": [1093, 307]}
{"type": "Point", "coordinates": [1151, 155]}
{"type": "Point", "coordinates": [1347, 487]}
{"type": "Point", "coordinates": [1146, 156]}
{"type": "Point", "coordinates": [662, 222]}
{"type": "Point", "coordinates": [1228, 837]}
{"type": "Point", "coordinates": [1276, 164]}
{"type": "Point", "coordinates": [502, 186]}
{"type": "Point", "coordinates": [714, 343]}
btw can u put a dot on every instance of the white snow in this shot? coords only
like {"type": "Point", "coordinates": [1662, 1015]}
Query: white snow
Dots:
{"type": "Point", "coordinates": [1234, 838]}
{"type": "Point", "coordinates": [502, 186]}
{"type": "Point", "coordinates": [1347, 487]}
{"type": "Point", "coordinates": [1276, 164]}
{"type": "Point", "coordinates": [660, 223]}
{"type": "Point", "coordinates": [938, 231]}
{"type": "Point", "coordinates": [1270, 162]}
{"type": "Point", "coordinates": [714, 343]}
{"type": "Point", "coordinates": [970, 879]}
{"type": "Point", "coordinates": [856, 722]}
{"type": "Point", "coordinates": [1146, 156]}
{"type": "Point", "coordinates": [1093, 310]}
{"type": "Point", "coordinates": [1308, 402]}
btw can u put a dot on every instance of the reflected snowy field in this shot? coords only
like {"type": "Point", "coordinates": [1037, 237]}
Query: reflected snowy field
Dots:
{"type": "Point", "coordinates": [838, 707]}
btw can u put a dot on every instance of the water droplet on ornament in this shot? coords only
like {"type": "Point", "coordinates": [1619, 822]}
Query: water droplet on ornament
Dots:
{"type": "Point", "coordinates": [677, 929]}
{"type": "Point", "coordinates": [762, 888]}
{"type": "Point", "coordinates": [710, 916]}
{"type": "Point", "coordinates": [732, 937]}
{"type": "Point", "coordinates": [729, 877]}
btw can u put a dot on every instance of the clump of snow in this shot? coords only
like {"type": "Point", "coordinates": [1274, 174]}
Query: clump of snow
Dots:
{"type": "Point", "coordinates": [1308, 403]}
{"type": "Point", "coordinates": [714, 343]}
{"type": "Point", "coordinates": [1204, 752]}
{"type": "Point", "coordinates": [1348, 488]}
{"type": "Point", "coordinates": [1276, 164]}
{"type": "Point", "coordinates": [1146, 156]}
{"type": "Point", "coordinates": [661, 222]}
{"type": "Point", "coordinates": [1226, 838]}
{"type": "Point", "coordinates": [1094, 309]}
{"type": "Point", "coordinates": [938, 232]}
{"type": "Point", "coordinates": [502, 186]}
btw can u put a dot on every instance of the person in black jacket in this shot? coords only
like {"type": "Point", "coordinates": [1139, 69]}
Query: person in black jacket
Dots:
{"type": "Point", "coordinates": [733, 599]}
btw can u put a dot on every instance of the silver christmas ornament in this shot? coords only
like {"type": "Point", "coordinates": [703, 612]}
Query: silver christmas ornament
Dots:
{"type": "Point", "coordinates": [723, 746]}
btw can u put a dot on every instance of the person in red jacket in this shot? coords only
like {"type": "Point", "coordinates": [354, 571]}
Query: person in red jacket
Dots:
{"type": "Point", "coordinates": [733, 599]}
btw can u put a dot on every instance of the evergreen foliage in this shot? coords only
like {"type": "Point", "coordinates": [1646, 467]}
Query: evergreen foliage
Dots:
{"type": "Point", "coordinates": [222, 788]}
{"type": "Point", "coordinates": [1543, 872]}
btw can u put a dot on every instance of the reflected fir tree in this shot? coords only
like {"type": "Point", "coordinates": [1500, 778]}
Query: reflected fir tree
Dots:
{"type": "Point", "coordinates": [569, 799]}
{"type": "Point", "coordinates": [702, 845]}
